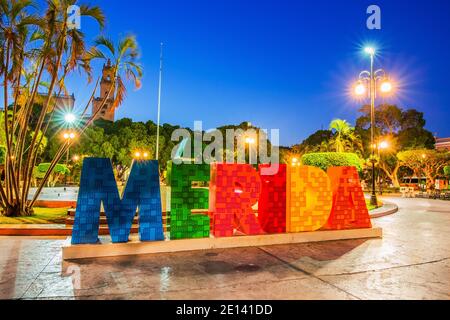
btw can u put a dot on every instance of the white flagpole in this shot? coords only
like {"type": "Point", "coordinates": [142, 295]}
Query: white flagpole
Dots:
{"type": "Point", "coordinates": [159, 102]}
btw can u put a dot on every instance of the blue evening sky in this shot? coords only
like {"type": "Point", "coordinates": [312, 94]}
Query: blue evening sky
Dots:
{"type": "Point", "coordinates": [279, 64]}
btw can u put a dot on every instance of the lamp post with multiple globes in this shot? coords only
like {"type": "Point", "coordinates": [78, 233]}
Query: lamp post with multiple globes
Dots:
{"type": "Point", "coordinates": [369, 83]}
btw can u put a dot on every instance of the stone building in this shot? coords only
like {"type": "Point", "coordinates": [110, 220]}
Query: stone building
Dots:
{"type": "Point", "coordinates": [61, 102]}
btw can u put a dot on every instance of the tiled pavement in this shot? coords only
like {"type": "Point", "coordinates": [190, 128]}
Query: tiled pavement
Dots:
{"type": "Point", "coordinates": [412, 261]}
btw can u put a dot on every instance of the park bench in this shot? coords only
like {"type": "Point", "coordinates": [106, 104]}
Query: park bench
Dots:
{"type": "Point", "coordinates": [407, 192]}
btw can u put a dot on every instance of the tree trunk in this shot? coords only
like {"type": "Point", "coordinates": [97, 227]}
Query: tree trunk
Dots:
{"type": "Point", "coordinates": [16, 211]}
{"type": "Point", "coordinates": [395, 181]}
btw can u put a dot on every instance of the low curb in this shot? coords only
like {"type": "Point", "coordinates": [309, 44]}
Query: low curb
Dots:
{"type": "Point", "coordinates": [50, 230]}
{"type": "Point", "coordinates": [35, 230]}
{"type": "Point", "coordinates": [386, 210]}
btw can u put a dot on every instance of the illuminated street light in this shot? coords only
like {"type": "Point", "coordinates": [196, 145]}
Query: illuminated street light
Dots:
{"type": "Point", "coordinates": [294, 161]}
{"type": "Point", "coordinates": [70, 118]}
{"type": "Point", "coordinates": [68, 136]}
{"type": "Point", "coordinates": [386, 87]}
{"type": "Point", "coordinates": [384, 145]}
{"type": "Point", "coordinates": [141, 155]}
{"type": "Point", "coordinates": [76, 158]}
{"type": "Point", "coordinates": [249, 140]}
{"type": "Point", "coordinates": [369, 81]}
{"type": "Point", "coordinates": [370, 51]}
{"type": "Point", "coordinates": [360, 89]}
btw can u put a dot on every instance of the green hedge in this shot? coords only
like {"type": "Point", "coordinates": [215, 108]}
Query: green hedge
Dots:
{"type": "Point", "coordinates": [447, 171]}
{"type": "Point", "coordinates": [40, 171]}
{"type": "Point", "coordinates": [332, 159]}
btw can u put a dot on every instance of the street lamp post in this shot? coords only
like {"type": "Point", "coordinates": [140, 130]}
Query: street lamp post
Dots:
{"type": "Point", "coordinates": [250, 141]}
{"type": "Point", "coordinates": [383, 145]}
{"type": "Point", "coordinates": [68, 136]}
{"type": "Point", "coordinates": [371, 78]}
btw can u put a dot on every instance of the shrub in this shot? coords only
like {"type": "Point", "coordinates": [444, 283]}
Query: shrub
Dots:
{"type": "Point", "coordinates": [332, 159]}
{"type": "Point", "coordinates": [41, 170]}
{"type": "Point", "coordinates": [2, 154]}
{"type": "Point", "coordinates": [447, 171]}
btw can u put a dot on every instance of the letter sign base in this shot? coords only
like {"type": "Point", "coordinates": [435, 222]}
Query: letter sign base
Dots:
{"type": "Point", "coordinates": [134, 247]}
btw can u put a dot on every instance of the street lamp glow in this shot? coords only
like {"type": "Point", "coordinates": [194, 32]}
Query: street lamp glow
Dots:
{"type": "Point", "coordinates": [69, 135]}
{"type": "Point", "coordinates": [370, 51]}
{"type": "Point", "coordinates": [360, 89]}
{"type": "Point", "coordinates": [145, 155]}
{"type": "Point", "coordinates": [386, 87]}
{"type": "Point", "coordinates": [249, 140]}
{"type": "Point", "coordinates": [384, 145]}
{"type": "Point", "coordinates": [70, 118]}
{"type": "Point", "coordinates": [137, 154]}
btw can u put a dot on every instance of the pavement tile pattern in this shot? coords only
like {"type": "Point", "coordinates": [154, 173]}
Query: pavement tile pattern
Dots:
{"type": "Point", "coordinates": [412, 261]}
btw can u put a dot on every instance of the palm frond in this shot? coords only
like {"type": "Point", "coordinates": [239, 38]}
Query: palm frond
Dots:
{"type": "Point", "coordinates": [120, 93]}
{"type": "Point", "coordinates": [94, 53]}
{"type": "Point", "coordinates": [102, 41]}
{"type": "Point", "coordinates": [94, 12]}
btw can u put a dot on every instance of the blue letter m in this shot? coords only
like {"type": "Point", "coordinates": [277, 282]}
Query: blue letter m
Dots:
{"type": "Point", "coordinates": [98, 186]}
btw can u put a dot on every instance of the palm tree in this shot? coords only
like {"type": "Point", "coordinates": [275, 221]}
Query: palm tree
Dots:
{"type": "Point", "coordinates": [14, 30]}
{"type": "Point", "coordinates": [53, 50]}
{"type": "Point", "coordinates": [344, 136]}
{"type": "Point", "coordinates": [124, 63]}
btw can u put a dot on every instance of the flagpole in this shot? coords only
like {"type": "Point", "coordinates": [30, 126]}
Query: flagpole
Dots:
{"type": "Point", "coordinates": [159, 101]}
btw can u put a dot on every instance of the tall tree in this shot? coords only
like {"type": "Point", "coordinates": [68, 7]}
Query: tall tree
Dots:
{"type": "Point", "coordinates": [344, 138]}
{"type": "Point", "coordinates": [387, 119]}
{"type": "Point", "coordinates": [52, 49]}
{"type": "Point", "coordinates": [125, 65]}
{"type": "Point", "coordinates": [319, 141]}
{"type": "Point", "coordinates": [403, 130]}
{"type": "Point", "coordinates": [429, 163]}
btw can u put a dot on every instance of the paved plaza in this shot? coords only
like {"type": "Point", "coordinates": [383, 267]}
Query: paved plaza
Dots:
{"type": "Point", "coordinates": [412, 261]}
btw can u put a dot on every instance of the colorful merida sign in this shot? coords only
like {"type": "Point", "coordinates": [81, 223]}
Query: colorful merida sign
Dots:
{"type": "Point", "coordinates": [296, 199]}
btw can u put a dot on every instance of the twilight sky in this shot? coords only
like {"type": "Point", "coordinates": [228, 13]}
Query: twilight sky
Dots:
{"type": "Point", "coordinates": [279, 64]}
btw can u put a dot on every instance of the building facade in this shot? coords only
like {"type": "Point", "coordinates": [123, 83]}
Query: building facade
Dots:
{"type": "Point", "coordinates": [107, 112]}
{"type": "Point", "coordinates": [61, 102]}
{"type": "Point", "coordinates": [443, 144]}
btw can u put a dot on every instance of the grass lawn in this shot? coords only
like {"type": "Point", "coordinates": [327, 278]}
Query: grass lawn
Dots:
{"type": "Point", "coordinates": [371, 207]}
{"type": "Point", "coordinates": [58, 216]}
{"type": "Point", "coordinates": [41, 216]}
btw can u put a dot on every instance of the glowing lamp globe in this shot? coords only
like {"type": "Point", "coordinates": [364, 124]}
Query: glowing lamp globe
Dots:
{"type": "Point", "coordinates": [386, 87]}
{"type": "Point", "coordinates": [70, 118]}
{"type": "Point", "coordinates": [384, 145]}
{"type": "Point", "coordinates": [369, 50]}
{"type": "Point", "coordinates": [360, 89]}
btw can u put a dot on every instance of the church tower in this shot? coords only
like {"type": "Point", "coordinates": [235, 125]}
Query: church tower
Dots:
{"type": "Point", "coordinates": [108, 111]}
